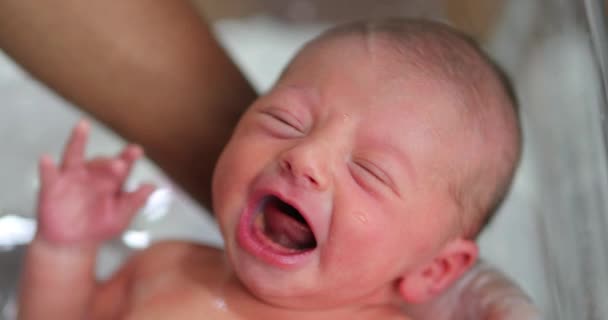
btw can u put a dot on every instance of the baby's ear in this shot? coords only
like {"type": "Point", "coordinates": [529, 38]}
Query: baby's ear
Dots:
{"type": "Point", "coordinates": [432, 278]}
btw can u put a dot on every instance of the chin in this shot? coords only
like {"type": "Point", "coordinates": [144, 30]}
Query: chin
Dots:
{"type": "Point", "coordinates": [275, 286]}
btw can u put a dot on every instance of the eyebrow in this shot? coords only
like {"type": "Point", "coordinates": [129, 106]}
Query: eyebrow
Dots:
{"type": "Point", "coordinates": [303, 95]}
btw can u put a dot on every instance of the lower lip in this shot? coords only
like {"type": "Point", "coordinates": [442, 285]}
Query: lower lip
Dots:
{"type": "Point", "coordinates": [256, 243]}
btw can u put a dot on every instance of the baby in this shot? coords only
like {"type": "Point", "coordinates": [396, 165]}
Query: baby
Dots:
{"type": "Point", "coordinates": [354, 188]}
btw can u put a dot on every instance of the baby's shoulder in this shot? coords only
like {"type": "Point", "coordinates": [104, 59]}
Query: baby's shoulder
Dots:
{"type": "Point", "coordinates": [169, 274]}
{"type": "Point", "coordinates": [171, 250]}
{"type": "Point", "coordinates": [173, 256]}
{"type": "Point", "coordinates": [164, 268]}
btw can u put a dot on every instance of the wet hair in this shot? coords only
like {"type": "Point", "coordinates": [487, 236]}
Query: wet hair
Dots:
{"type": "Point", "coordinates": [486, 96]}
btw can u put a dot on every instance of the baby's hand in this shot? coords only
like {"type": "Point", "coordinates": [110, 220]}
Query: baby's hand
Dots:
{"type": "Point", "coordinates": [82, 202]}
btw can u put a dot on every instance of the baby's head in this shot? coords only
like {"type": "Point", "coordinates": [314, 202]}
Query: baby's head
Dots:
{"type": "Point", "coordinates": [365, 174]}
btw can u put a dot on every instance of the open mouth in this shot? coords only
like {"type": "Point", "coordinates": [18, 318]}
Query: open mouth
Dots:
{"type": "Point", "coordinates": [284, 226]}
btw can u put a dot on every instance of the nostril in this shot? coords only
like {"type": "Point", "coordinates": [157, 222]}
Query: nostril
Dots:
{"type": "Point", "coordinates": [312, 180]}
{"type": "Point", "coordinates": [302, 172]}
{"type": "Point", "coordinates": [297, 172]}
{"type": "Point", "coordinates": [286, 165]}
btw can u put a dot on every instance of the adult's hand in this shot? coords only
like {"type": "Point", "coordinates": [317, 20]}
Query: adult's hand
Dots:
{"type": "Point", "coordinates": [484, 293]}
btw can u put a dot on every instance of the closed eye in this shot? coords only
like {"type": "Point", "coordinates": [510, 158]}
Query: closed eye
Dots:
{"type": "Point", "coordinates": [369, 175]}
{"type": "Point", "coordinates": [281, 123]}
{"type": "Point", "coordinates": [374, 171]}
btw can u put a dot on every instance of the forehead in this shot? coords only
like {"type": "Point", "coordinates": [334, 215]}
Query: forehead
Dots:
{"type": "Point", "coordinates": [358, 77]}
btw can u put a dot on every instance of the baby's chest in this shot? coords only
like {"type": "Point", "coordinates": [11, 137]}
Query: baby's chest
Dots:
{"type": "Point", "coordinates": [165, 299]}
{"type": "Point", "coordinates": [185, 304]}
{"type": "Point", "coordinates": [178, 311]}
{"type": "Point", "coordinates": [201, 291]}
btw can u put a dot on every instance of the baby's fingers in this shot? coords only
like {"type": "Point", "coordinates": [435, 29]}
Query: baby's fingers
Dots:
{"type": "Point", "coordinates": [132, 201]}
{"type": "Point", "coordinates": [129, 155]}
{"type": "Point", "coordinates": [73, 154]}
{"type": "Point", "coordinates": [48, 171]}
{"type": "Point", "coordinates": [107, 168]}
{"type": "Point", "coordinates": [117, 168]}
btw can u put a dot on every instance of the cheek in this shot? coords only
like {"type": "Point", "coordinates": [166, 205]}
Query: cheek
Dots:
{"type": "Point", "coordinates": [245, 157]}
{"type": "Point", "coordinates": [235, 168]}
{"type": "Point", "coordinates": [375, 239]}
{"type": "Point", "coordinates": [370, 242]}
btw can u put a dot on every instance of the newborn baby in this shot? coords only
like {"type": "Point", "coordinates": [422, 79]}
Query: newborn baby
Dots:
{"type": "Point", "coordinates": [353, 189]}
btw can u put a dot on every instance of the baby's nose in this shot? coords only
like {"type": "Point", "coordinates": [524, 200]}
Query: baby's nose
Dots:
{"type": "Point", "coordinates": [307, 164]}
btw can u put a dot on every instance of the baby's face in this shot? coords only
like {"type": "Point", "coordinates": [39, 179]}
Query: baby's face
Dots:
{"type": "Point", "coordinates": [334, 183]}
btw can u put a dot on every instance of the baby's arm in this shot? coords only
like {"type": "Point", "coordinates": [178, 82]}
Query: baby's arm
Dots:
{"type": "Point", "coordinates": [80, 205]}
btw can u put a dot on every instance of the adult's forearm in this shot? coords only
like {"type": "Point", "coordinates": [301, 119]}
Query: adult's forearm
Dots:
{"type": "Point", "coordinates": [151, 70]}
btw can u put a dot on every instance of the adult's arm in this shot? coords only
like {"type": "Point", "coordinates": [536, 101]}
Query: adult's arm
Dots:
{"type": "Point", "coordinates": [149, 69]}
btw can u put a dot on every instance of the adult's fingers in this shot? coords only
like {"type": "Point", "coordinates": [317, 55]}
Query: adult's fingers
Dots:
{"type": "Point", "coordinates": [73, 154]}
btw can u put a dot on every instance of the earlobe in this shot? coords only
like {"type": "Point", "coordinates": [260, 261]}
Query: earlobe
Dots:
{"type": "Point", "coordinates": [435, 276]}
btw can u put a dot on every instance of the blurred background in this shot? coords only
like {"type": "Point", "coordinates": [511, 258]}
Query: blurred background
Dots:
{"type": "Point", "coordinates": [551, 236]}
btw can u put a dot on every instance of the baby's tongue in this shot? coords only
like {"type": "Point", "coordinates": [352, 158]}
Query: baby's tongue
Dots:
{"type": "Point", "coordinates": [286, 230]}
